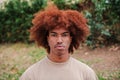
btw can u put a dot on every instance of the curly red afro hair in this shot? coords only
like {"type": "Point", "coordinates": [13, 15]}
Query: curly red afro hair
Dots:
{"type": "Point", "coordinates": [51, 18]}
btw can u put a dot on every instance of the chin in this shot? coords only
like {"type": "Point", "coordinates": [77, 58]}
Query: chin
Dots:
{"type": "Point", "coordinates": [60, 52]}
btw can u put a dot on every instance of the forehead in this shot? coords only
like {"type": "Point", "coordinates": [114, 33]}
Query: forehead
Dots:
{"type": "Point", "coordinates": [59, 30]}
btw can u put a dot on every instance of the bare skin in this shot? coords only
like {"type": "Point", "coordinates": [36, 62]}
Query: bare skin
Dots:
{"type": "Point", "coordinates": [59, 41]}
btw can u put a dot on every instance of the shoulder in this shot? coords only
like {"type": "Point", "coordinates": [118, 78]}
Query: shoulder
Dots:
{"type": "Point", "coordinates": [32, 70]}
{"type": "Point", "coordinates": [78, 63]}
{"type": "Point", "coordinates": [83, 68]}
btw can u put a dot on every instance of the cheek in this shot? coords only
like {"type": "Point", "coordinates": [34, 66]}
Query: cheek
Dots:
{"type": "Point", "coordinates": [51, 43]}
{"type": "Point", "coordinates": [68, 42]}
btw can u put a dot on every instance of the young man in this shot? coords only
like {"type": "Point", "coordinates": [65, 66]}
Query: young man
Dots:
{"type": "Point", "coordinates": [60, 32]}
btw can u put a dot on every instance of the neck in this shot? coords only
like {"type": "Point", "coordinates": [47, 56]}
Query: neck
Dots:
{"type": "Point", "coordinates": [58, 58]}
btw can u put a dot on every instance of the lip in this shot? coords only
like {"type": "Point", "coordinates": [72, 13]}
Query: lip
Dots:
{"type": "Point", "coordinates": [59, 47]}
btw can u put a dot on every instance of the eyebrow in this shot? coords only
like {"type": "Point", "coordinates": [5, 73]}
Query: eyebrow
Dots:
{"type": "Point", "coordinates": [62, 33]}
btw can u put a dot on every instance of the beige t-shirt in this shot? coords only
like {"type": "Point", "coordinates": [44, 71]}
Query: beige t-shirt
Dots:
{"type": "Point", "coordinates": [72, 69]}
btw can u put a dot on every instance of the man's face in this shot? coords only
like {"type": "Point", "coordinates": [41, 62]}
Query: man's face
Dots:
{"type": "Point", "coordinates": [59, 40]}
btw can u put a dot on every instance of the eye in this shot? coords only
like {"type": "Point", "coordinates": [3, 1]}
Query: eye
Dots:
{"type": "Point", "coordinates": [65, 34]}
{"type": "Point", "coordinates": [53, 34]}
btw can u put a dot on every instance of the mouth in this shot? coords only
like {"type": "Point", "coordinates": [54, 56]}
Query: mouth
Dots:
{"type": "Point", "coordinates": [59, 47]}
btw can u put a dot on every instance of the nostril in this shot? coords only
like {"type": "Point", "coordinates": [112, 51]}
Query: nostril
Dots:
{"type": "Point", "coordinates": [59, 39]}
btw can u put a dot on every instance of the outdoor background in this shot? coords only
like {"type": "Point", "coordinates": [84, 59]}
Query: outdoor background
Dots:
{"type": "Point", "coordinates": [101, 50]}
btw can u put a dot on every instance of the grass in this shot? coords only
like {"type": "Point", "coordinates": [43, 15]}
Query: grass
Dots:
{"type": "Point", "coordinates": [16, 58]}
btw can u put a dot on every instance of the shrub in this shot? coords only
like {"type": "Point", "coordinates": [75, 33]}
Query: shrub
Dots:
{"type": "Point", "coordinates": [15, 19]}
{"type": "Point", "coordinates": [103, 19]}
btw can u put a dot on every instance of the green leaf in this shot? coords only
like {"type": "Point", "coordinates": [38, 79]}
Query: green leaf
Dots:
{"type": "Point", "coordinates": [107, 33]}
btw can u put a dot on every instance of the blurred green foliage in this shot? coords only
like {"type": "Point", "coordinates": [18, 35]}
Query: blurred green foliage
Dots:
{"type": "Point", "coordinates": [103, 19]}
{"type": "Point", "coordinates": [16, 17]}
{"type": "Point", "coordinates": [103, 22]}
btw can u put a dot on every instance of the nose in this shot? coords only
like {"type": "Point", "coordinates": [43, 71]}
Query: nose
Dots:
{"type": "Point", "coordinates": [59, 39]}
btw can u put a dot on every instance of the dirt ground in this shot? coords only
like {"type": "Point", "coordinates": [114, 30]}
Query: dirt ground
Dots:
{"type": "Point", "coordinates": [103, 60]}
